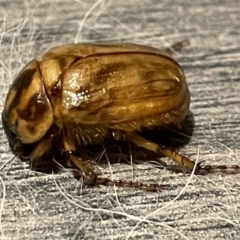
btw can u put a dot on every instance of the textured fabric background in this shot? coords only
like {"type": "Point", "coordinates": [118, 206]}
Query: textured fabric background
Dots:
{"type": "Point", "coordinates": [55, 206]}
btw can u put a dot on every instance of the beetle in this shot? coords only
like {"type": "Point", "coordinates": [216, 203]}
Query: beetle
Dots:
{"type": "Point", "coordinates": [77, 95]}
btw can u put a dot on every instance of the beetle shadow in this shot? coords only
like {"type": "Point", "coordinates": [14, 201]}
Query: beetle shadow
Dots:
{"type": "Point", "coordinates": [174, 137]}
{"type": "Point", "coordinates": [124, 152]}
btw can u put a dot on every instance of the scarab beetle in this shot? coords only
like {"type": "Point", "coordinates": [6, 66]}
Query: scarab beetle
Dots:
{"type": "Point", "coordinates": [82, 94]}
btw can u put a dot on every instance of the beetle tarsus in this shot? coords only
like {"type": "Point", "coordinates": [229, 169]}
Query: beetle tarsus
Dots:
{"type": "Point", "coordinates": [150, 187]}
{"type": "Point", "coordinates": [206, 169]}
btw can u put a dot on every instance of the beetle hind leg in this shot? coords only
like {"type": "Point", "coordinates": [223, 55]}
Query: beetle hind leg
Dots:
{"type": "Point", "coordinates": [176, 157]}
{"type": "Point", "coordinates": [182, 160]}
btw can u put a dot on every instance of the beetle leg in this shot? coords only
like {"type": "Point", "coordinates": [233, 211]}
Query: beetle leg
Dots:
{"type": "Point", "coordinates": [41, 148]}
{"type": "Point", "coordinates": [149, 187]}
{"type": "Point", "coordinates": [87, 171]}
{"type": "Point", "coordinates": [205, 169]}
{"type": "Point", "coordinates": [78, 162]}
{"type": "Point", "coordinates": [94, 179]}
{"type": "Point", "coordinates": [144, 143]}
{"type": "Point", "coordinates": [177, 47]}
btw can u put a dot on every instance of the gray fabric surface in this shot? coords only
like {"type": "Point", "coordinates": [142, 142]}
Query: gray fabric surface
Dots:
{"type": "Point", "coordinates": [55, 206]}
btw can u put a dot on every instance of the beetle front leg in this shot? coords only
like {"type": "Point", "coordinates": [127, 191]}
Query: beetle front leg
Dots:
{"type": "Point", "coordinates": [78, 162]}
{"type": "Point", "coordinates": [144, 143]}
{"type": "Point", "coordinates": [42, 147]}
{"type": "Point", "coordinates": [82, 166]}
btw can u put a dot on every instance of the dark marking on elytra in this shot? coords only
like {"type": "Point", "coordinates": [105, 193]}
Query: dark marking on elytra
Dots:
{"type": "Point", "coordinates": [21, 83]}
{"type": "Point", "coordinates": [36, 107]}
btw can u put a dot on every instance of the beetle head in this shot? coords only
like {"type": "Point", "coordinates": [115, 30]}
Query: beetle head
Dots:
{"type": "Point", "coordinates": [27, 114]}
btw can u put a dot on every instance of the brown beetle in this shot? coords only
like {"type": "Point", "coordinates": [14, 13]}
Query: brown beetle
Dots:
{"type": "Point", "coordinates": [82, 94]}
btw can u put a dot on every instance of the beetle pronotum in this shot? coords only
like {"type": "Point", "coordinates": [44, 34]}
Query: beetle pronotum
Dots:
{"type": "Point", "coordinates": [81, 94]}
